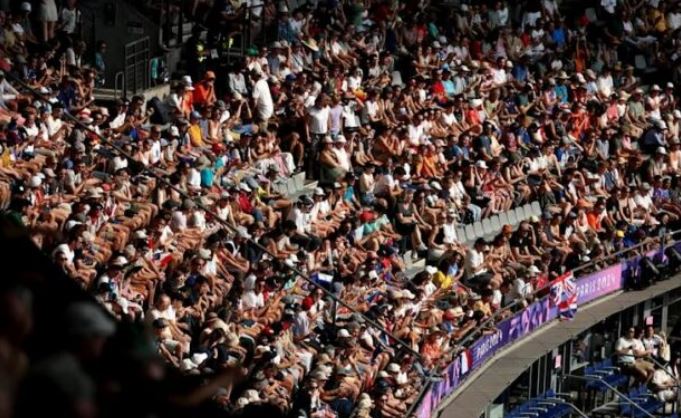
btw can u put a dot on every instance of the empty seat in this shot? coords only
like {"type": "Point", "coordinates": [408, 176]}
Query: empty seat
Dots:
{"type": "Point", "coordinates": [291, 185]}
{"type": "Point", "coordinates": [528, 211]}
{"type": "Point", "coordinates": [520, 214]}
{"type": "Point", "coordinates": [536, 208]}
{"type": "Point", "coordinates": [496, 224]}
{"type": "Point", "coordinates": [640, 62]}
{"type": "Point", "coordinates": [503, 218]}
{"type": "Point", "coordinates": [470, 232]}
{"type": "Point", "coordinates": [487, 226]}
{"type": "Point", "coordinates": [479, 231]}
{"type": "Point", "coordinates": [460, 234]}
{"type": "Point", "coordinates": [512, 219]}
{"type": "Point", "coordinates": [300, 180]}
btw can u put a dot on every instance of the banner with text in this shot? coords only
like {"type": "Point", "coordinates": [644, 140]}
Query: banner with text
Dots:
{"type": "Point", "coordinates": [512, 329]}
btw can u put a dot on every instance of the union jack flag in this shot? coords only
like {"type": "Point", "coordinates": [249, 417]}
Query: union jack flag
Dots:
{"type": "Point", "coordinates": [564, 295]}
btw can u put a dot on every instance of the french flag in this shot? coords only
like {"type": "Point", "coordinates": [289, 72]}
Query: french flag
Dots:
{"type": "Point", "coordinates": [564, 295]}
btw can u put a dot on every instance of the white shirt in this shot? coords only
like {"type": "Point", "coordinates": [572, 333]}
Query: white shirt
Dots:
{"type": "Point", "coordinates": [449, 232]}
{"type": "Point", "coordinates": [674, 20]}
{"type": "Point", "coordinates": [263, 99]}
{"type": "Point", "coordinates": [627, 345]}
{"type": "Point", "coordinates": [499, 76]}
{"type": "Point", "coordinates": [53, 125]}
{"type": "Point", "coordinates": [474, 259]}
{"type": "Point", "coordinates": [609, 5]}
{"type": "Point", "coordinates": [118, 121]}
{"type": "Point", "coordinates": [301, 219]}
{"type": "Point", "coordinates": [343, 158]}
{"type": "Point", "coordinates": [252, 300]}
{"type": "Point", "coordinates": [319, 120]}
{"type": "Point", "coordinates": [167, 314]}
{"type": "Point", "coordinates": [69, 18]}
{"type": "Point", "coordinates": [643, 201]}
{"type": "Point", "coordinates": [384, 184]}
{"type": "Point", "coordinates": [155, 152]}
{"type": "Point", "coordinates": [66, 250]}
{"type": "Point", "coordinates": [194, 178]}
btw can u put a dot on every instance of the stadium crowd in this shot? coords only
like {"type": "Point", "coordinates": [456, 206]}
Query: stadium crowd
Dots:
{"type": "Point", "coordinates": [414, 118]}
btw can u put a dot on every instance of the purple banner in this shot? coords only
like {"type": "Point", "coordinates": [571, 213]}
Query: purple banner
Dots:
{"type": "Point", "coordinates": [599, 284]}
{"type": "Point", "coordinates": [512, 329]}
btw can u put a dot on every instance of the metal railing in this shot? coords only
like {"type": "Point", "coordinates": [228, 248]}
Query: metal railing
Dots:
{"type": "Point", "coordinates": [493, 319]}
{"type": "Point", "coordinates": [119, 85]}
{"type": "Point", "coordinates": [136, 66]}
{"type": "Point", "coordinates": [589, 378]}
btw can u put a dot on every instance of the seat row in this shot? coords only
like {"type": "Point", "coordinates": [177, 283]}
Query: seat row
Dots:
{"type": "Point", "coordinates": [491, 226]}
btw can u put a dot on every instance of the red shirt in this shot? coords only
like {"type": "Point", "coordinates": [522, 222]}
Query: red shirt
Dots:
{"type": "Point", "coordinates": [203, 94]}
{"type": "Point", "coordinates": [245, 203]}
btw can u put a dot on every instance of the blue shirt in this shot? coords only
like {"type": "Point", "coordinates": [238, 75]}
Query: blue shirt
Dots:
{"type": "Point", "coordinates": [449, 87]}
{"type": "Point", "coordinates": [519, 72]}
{"type": "Point", "coordinates": [207, 177]}
{"type": "Point", "coordinates": [460, 151]}
{"type": "Point", "coordinates": [561, 93]}
{"type": "Point", "coordinates": [558, 36]}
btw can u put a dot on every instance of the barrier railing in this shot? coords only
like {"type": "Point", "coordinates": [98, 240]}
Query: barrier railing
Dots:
{"type": "Point", "coordinates": [475, 349]}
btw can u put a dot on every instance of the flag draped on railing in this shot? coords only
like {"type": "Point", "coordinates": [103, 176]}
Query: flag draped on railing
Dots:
{"type": "Point", "coordinates": [564, 295]}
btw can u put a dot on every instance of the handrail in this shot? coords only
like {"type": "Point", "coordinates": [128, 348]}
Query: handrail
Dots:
{"type": "Point", "coordinates": [471, 337]}
{"type": "Point", "coordinates": [515, 303]}
{"type": "Point", "coordinates": [663, 368]}
{"type": "Point", "coordinates": [589, 378]}
{"type": "Point", "coordinates": [122, 85]}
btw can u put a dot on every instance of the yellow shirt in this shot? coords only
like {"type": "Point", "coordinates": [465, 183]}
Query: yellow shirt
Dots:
{"type": "Point", "coordinates": [658, 18]}
{"type": "Point", "coordinates": [442, 281]}
{"type": "Point", "coordinates": [195, 135]}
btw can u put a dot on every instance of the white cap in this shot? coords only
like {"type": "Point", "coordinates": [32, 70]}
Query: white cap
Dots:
{"type": "Point", "coordinates": [670, 85]}
{"type": "Point", "coordinates": [661, 124]}
{"type": "Point", "coordinates": [341, 139]}
{"type": "Point", "coordinates": [533, 270]}
{"type": "Point", "coordinates": [343, 333]}
{"type": "Point", "coordinates": [393, 368]}
{"type": "Point", "coordinates": [141, 234]}
{"type": "Point", "coordinates": [435, 185]}
{"type": "Point", "coordinates": [35, 181]}
{"type": "Point", "coordinates": [252, 395]}
{"type": "Point", "coordinates": [677, 113]}
{"type": "Point", "coordinates": [431, 269]}
{"type": "Point", "coordinates": [661, 150]}
{"type": "Point", "coordinates": [318, 191]}
{"type": "Point", "coordinates": [174, 131]}
{"type": "Point", "coordinates": [436, 44]}
{"type": "Point", "coordinates": [119, 261]}
{"type": "Point", "coordinates": [70, 224]}
{"type": "Point", "coordinates": [481, 164]}
{"type": "Point", "coordinates": [655, 87]}
{"type": "Point", "coordinates": [26, 7]}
